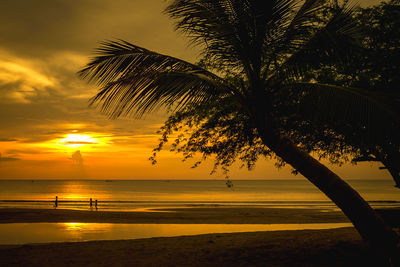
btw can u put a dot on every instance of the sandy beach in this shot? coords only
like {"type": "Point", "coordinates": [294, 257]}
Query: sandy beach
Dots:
{"type": "Point", "coordinates": [335, 247]}
{"type": "Point", "coordinates": [203, 215]}
{"type": "Point", "coordinates": [338, 247]}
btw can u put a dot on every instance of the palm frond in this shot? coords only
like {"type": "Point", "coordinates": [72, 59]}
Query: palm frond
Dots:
{"type": "Point", "coordinates": [232, 31]}
{"type": "Point", "coordinates": [332, 43]}
{"type": "Point", "coordinates": [294, 25]}
{"type": "Point", "coordinates": [136, 80]}
{"type": "Point", "coordinates": [211, 23]}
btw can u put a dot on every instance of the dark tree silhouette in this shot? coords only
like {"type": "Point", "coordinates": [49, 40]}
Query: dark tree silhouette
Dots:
{"type": "Point", "coordinates": [259, 51]}
{"type": "Point", "coordinates": [374, 68]}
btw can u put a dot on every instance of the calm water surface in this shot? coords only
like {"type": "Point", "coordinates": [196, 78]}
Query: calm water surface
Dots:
{"type": "Point", "coordinates": [139, 195]}
{"type": "Point", "coordinates": [145, 195]}
{"type": "Point", "coordinates": [22, 233]}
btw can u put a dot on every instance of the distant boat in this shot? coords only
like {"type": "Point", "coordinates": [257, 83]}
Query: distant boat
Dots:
{"type": "Point", "coordinates": [108, 181]}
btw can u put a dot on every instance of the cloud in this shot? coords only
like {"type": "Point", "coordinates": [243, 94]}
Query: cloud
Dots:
{"type": "Point", "coordinates": [40, 55]}
{"type": "Point", "coordinates": [79, 143]}
{"type": "Point", "coordinates": [23, 151]}
{"type": "Point", "coordinates": [77, 157]}
{"type": "Point", "coordinates": [8, 139]}
{"type": "Point", "coordinates": [20, 82]}
{"type": "Point", "coordinates": [50, 26]}
{"type": "Point", "coordinates": [7, 158]}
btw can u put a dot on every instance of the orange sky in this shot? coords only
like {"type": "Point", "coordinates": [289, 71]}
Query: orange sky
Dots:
{"type": "Point", "coordinates": [44, 114]}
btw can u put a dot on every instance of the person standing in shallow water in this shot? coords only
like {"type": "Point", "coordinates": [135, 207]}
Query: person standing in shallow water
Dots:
{"type": "Point", "coordinates": [95, 204]}
{"type": "Point", "coordinates": [56, 202]}
{"type": "Point", "coordinates": [91, 203]}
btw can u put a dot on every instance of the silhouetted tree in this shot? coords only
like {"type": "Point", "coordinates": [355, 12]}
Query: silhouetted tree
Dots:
{"type": "Point", "coordinates": [375, 68]}
{"type": "Point", "coordinates": [259, 52]}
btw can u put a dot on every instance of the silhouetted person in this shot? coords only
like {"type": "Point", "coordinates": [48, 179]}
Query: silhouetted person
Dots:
{"type": "Point", "coordinates": [56, 202]}
{"type": "Point", "coordinates": [95, 204]}
{"type": "Point", "coordinates": [91, 203]}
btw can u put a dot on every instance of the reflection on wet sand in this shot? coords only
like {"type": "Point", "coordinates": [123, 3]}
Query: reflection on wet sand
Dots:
{"type": "Point", "coordinates": [85, 227]}
{"type": "Point", "coordinates": [22, 233]}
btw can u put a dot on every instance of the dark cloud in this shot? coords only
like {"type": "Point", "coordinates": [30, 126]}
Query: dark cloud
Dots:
{"type": "Point", "coordinates": [77, 157]}
{"type": "Point", "coordinates": [7, 158]}
{"type": "Point", "coordinates": [23, 151]}
{"type": "Point", "coordinates": [43, 27]}
{"type": "Point", "coordinates": [79, 143]}
{"type": "Point", "coordinates": [8, 139]}
{"type": "Point", "coordinates": [40, 28]}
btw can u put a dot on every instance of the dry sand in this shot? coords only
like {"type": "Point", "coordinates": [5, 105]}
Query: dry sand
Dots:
{"type": "Point", "coordinates": [335, 247]}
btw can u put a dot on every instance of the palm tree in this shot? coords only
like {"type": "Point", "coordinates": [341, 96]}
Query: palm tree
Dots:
{"type": "Point", "coordinates": [265, 46]}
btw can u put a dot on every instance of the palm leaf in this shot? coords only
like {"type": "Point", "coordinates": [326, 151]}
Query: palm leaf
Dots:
{"type": "Point", "coordinates": [294, 26]}
{"type": "Point", "coordinates": [136, 80]}
{"type": "Point", "coordinates": [232, 31]}
{"type": "Point", "coordinates": [332, 43]}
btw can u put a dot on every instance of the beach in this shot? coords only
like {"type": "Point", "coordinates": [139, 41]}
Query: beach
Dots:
{"type": "Point", "coordinates": [339, 247]}
{"type": "Point", "coordinates": [182, 223]}
{"type": "Point", "coordinates": [333, 247]}
{"type": "Point", "coordinates": [214, 215]}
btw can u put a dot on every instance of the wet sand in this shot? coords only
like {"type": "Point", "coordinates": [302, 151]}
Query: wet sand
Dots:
{"type": "Point", "coordinates": [335, 247]}
{"type": "Point", "coordinates": [204, 215]}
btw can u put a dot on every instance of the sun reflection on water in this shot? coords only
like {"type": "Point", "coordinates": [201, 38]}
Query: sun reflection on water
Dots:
{"type": "Point", "coordinates": [21, 233]}
{"type": "Point", "coordinates": [87, 228]}
{"type": "Point", "coordinates": [73, 226]}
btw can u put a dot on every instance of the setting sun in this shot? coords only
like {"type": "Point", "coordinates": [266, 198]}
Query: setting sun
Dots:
{"type": "Point", "coordinates": [77, 140]}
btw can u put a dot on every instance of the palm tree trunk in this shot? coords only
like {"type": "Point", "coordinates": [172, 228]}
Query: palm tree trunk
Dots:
{"type": "Point", "coordinates": [393, 170]}
{"type": "Point", "coordinates": [368, 223]}
{"type": "Point", "coordinates": [389, 161]}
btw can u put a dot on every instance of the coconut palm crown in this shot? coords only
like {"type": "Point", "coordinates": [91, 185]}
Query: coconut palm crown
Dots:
{"type": "Point", "coordinates": [255, 53]}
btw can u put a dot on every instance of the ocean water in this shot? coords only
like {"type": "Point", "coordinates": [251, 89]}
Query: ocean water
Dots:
{"type": "Point", "coordinates": [139, 195]}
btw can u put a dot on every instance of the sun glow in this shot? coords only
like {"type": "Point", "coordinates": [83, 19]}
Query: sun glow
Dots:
{"type": "Point", "coordinates": [83, 141]}
{"type": "Point", "coordinates": [77, 140]}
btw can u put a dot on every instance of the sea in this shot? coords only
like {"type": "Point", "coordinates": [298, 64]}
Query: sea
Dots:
{"type": "Point", "coordinates": [153, 195]}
